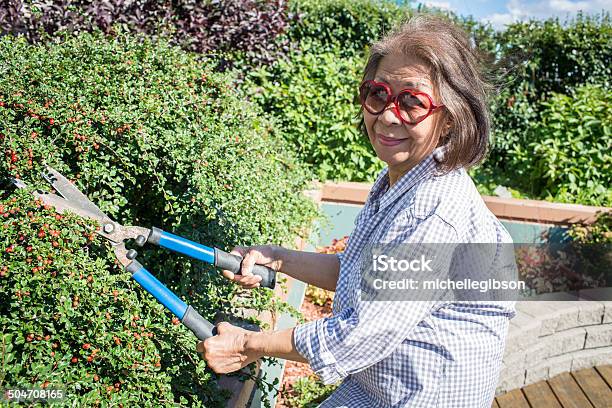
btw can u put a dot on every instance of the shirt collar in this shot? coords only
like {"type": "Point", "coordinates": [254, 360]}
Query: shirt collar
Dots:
{"type": "Point", "coordinates": [381, 195]}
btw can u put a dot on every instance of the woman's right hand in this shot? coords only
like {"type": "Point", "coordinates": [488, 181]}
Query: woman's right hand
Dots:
{"type": "Point", "coordinates": [259, 254]}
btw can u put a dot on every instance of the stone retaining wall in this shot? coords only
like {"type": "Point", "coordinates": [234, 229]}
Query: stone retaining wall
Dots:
{"type": "Point", "coordinates": [547, 338]}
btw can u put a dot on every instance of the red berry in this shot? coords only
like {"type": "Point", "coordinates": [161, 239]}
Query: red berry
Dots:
{"type": "Point", "coordinates": [89, 359]}
{"type": "Point", "coordinates": [73, 360]}
{"type": "Point", "coordinates": [96, 378]}
{"type": "Point", "coordinates": [86, 346]}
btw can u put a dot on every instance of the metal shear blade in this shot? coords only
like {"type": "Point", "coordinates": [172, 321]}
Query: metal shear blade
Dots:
{"type": "Point", "coordinates": [75, 201]}
{"type": "Point", "coordinates": [63, 186]}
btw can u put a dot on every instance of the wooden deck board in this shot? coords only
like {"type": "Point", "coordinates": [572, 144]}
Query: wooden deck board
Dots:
{"type": "Point", "coordinates": [540, 395]}
{"type": "Point", "coordinates": [606, 373]}
{"type": "Point", "coordinates": [595, 388]}
{"type": "Point", "coordinates": [513, 399]}
{"type": "Point", "coordinates": [588, 388]}
{"type": "Point", "coordinates": [568, 392]}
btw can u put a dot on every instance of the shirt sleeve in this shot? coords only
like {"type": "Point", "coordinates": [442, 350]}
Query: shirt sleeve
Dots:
{"type": "Point", "coordinates": [358, 337]}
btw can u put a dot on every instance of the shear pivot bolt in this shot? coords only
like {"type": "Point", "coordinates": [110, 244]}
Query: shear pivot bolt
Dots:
{"type": "Point", "coordinates": [108, 228]}
{"type": "Point", "coordinates": [140, 240]}
{"type": "Point", "coordinates": [131, 254]}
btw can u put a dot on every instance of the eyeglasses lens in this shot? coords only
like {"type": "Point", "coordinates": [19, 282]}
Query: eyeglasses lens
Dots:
{"type": "Point", "coordinates": [412, 107]}
{"type": "Point", "coordinates": [374, 98]}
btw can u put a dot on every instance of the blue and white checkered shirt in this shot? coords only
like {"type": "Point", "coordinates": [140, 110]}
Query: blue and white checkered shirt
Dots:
{"type": "Point", "coordinates": [411, 353]}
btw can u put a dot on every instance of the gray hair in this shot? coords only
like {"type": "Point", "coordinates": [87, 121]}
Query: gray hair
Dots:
{"type": "Point", "coordinates": [458, 73]}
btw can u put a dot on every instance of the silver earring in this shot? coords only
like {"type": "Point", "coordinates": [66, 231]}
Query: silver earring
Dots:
{"type": "Point", "coordinates": [438, 153]}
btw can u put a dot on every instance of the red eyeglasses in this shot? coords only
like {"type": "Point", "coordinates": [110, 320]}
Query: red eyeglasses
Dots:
{"type": "Point", "coordinates": [411, 106]}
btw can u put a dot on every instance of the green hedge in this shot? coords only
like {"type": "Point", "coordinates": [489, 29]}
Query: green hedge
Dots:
{"type": "Point", "coordinates": [155, 138]}
{"type": "Point", "coordinates": [568, 156]}
{"type": "Point", "coordinates": [543, 57]}
{"type": "Point", "coordinates": [313, 97]}
{"type": "Point", "coordinates": [344, 26]}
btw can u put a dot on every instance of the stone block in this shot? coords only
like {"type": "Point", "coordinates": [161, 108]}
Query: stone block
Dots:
{"type": "Point", "coordinates": [568, 312]}
{"type": "Point", "coordinates": [513, 365]}
{"type": "Point", "coordinates": [591, 312]}
{"type": "Point", "coordinates": [559, 364]}
{"type": "Point", "coordinates": [523, 332]}
{"type": "Point", "coordinates": [591, 357]}
{"type": "Point", "coordinates": [540, 310]}
{"type": "Point", "coordinates": [537, 373]}
{"type": "Point", "coordinates": [602, 295]}
{"type": "Point", "coordinates": [539, 352]}
{"type": "Point", "coordinates": [570, 340]}
{"type": "Point", "coordinates": [598, 336]}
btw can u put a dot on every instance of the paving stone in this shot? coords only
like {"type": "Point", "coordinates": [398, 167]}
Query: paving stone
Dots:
{"type": "Point", "coordinates": [537, 373]}
{"type": "Point", "coordinates": [591, 312]}
{"type": "Point", "coordinates": [602, 295]}
{"type": "Point", "coordinates": [591, 357]}
{"type": "Point", "coordinates": [540, 310]}
{"type": "Point", "coordinates": [559, 364]}
{"type": "Point", "coordinates": [538, 352]}
{"type": "Point", "coordinates": [513, 365]}
{"type": "Point", "coordinates": [598, 336]}
{"type": "Point", "coordinates": [523, 332]}
{"type": "Point", "coordinates": [568, 311]}
{"type": "Point", "coordinates": [571, 340]}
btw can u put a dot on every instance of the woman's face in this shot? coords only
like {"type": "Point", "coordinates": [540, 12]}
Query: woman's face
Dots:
{"type": "Point", "coordinates": [400, 145]}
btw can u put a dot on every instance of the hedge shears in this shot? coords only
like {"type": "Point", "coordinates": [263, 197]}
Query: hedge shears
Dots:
{"type": "Point", "coordinates": [73, 200]}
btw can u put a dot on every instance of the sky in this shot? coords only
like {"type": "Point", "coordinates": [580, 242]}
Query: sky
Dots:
{"type": "Point", "coordinates": [501, 12]}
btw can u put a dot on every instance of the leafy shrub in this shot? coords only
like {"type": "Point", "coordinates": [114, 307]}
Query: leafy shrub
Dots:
{"type": "Point", "coordinates": [568, 158]}
{"type": "Point", "coordinates": [599, 232]}
{"type": "Point", "coordinates": [314, 100]}
{"type": "Point", "coordinates": [154, 137]}
{"type": "Point", "coordinates": [308, 392]}
{"type": "Point", "coordinates": [72, 320]}
{"type": "Point", "coordinates": [249, 29]}
{"type": "Point", "coordinates": [544, 57]}
{"type": "Point", "coordinates": [346, 26]}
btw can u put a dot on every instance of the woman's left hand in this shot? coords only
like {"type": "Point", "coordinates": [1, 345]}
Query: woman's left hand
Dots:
{"type": "Point", "coordinates": [227, 351]}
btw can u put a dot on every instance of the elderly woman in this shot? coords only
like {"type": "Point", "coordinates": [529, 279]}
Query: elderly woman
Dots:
{"type": "Point", "coordinates": [425, 114]}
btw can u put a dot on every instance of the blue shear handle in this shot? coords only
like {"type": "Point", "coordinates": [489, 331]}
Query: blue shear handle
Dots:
{"type": "Point", "coordinates": [159, 291]}
{"type": "Point", "coordinates": [215, 256]}
{"type": "Point", "coordinates": [201, 327]}
{"type": "Point", "coordinates": [182, 245]}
